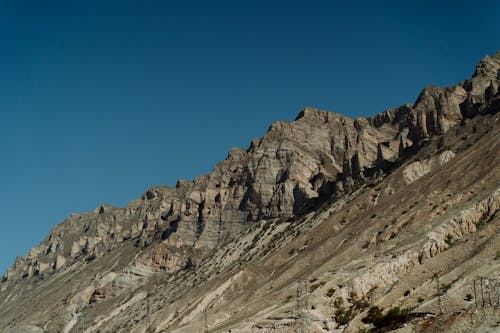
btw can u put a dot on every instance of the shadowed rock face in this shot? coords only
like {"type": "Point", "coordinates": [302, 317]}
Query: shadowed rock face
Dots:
{"type": "Point", "coordinates": [292, 169]}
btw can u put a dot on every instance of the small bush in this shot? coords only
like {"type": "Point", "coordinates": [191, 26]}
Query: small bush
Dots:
{"type": "Point", "coordinates": [449, 240]}
{"type": "Point", "coordinates": [361, 304]}
{"type": "Point", "coordinates": [316, 286]}
{"type": "Point", "coordinates": [392, 320]}
{"type": "Point", "coordinates": [468, 297]}
{"type": "Point", "coordinates": [373, 315]}
{"type": "Point", "coordinates": [484, 218]}
{"type": "Point", "coordinates": [420, 299]}
{"type": "Point", "coordinates": [330, 292]}
{"type": "Point", "coordinates": [406, 293]}
{"type": "Point", "coordinates": [445, 288]}
{"type": "Point", "coordinates": [313, 287]}
{"type": "Point", "coordinates": [342, 315]}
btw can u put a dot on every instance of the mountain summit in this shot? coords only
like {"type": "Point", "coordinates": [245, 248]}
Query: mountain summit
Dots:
{"type": "Point", "coordinates": [367, 213]}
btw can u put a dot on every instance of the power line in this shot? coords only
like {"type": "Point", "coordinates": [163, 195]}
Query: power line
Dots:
{"type": "Point", "coordinates": [488, 287]}
{"type": "Point", "coordinates": [302, 316]}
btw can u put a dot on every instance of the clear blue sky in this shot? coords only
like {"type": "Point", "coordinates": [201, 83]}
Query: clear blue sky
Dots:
{"type": "Point", "coordinates": [100, 100]}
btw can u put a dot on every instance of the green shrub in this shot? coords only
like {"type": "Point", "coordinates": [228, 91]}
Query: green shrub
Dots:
{"type": "Point", "coordinates": [360, 304]}
{"type": "Point", "coordinates": [373, 315]}
{"type": "Point", "coordinates": [468, 297]}
{"type": "Point", "coordinates": [445, 288]}
{"type": "Point", "coordinates": [449, 240]}
{"type": "Point", "coordinates": [316, 286]}
{"type": "Point", "coordinates": [393, 319]}
{"type": "Point", "coordinates": [342, 315]}
{"type": "Point", "coordinates": [330, 292]}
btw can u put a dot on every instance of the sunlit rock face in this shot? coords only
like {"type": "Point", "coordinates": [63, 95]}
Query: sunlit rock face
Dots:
{"type": "Point", "coordinates": [292, 169]}
{"type": "Point", "coordinates": [321, 159]}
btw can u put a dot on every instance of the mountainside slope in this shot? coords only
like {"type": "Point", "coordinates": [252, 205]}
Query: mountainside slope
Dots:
{"type": "Point", "coordinates": [367, 210]}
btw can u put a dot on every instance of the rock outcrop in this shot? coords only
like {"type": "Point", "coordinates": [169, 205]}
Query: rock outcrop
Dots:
{"type": "Point", "coordinates": [292, 169]}
{"type": "Point", "coordinates": [361, 207]}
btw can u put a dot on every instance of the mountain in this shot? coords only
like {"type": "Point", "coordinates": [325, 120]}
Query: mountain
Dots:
{"type": "Point", "coordinates": [361, 215]}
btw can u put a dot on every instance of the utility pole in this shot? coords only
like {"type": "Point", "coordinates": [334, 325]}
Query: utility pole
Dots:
{"type": "Point", "coordinates": [483, 285]}
{"type": "Point", "coordinates": [302, 298]}
{"type": "Point", "coordinates": [206, 321]}
{"type": "Point", "coordinates": [479, 291]}
{"type": "Point", "coordinates": [496, 292]}
{"type": "Point", "coordinates": [376, 254]}
{"type": "Point", "coordinates": [475, 292]}
{"type": "Point", "coordinates": [302, 318]}
{"type": "Point", "coordinates": [80, 327]}
{"type": "Point", "coordinates": [486, 287]}
{"type": "Point", "coordinates": [438, 287]}
{"type": "Point", "coordinates": [148, 328]}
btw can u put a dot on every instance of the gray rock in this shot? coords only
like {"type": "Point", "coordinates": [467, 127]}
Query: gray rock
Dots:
{"type": "Point", "coordinates": [290, 170]}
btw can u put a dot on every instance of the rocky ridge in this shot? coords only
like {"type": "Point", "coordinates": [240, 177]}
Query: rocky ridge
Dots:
{"type": "Point", "coordinates": [294, 169]}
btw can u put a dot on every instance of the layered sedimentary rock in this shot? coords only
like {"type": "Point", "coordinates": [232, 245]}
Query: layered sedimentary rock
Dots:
{"type": "Point", "coordinates": [292, 169]}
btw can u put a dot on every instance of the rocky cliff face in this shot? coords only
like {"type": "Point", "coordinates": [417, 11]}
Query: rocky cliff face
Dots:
{"type": "Point", "coordinates": [293, 169]}
{"type": "Point", "coordinates": [289, 171]}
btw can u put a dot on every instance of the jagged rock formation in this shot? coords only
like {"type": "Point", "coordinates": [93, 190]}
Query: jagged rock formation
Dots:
{"type": "Point", "coordinates": [320, 163]}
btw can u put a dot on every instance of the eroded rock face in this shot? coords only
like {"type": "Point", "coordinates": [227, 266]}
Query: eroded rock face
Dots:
{"type": "Point", "coordinates": [287, 172]}
{"type": "Point", "coordinates": [438, 240]}
{"type": "Point", "coordinates": [418, 169]}
{"type": "Point", "coordinates": [438, 203]}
